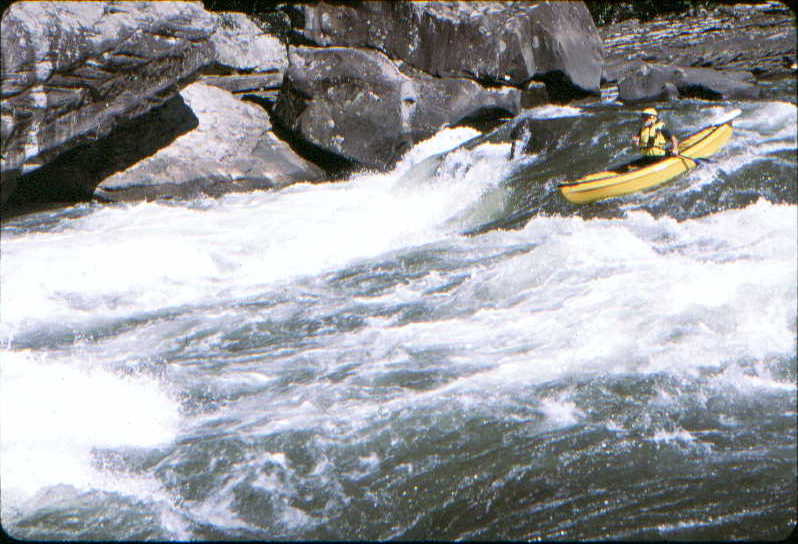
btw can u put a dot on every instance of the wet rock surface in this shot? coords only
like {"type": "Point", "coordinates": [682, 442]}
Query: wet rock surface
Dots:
{"type": "Point", "coordinates": [248, 61]}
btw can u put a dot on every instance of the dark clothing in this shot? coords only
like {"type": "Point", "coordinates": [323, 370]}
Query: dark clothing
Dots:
{"type": "Point", "coordinates": [643, 161]}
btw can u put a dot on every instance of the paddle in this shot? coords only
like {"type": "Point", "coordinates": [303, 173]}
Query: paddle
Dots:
{"type": "Point", "coordinates": [734, 114]}
{"type": "Point", "coordinates": [698, 160]}
{"type": "Point", "coordinates": [726, 118]}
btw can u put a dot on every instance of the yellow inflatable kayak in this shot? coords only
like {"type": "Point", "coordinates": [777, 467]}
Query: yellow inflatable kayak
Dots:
{"type": "Point", "coordinates": [622, 181]}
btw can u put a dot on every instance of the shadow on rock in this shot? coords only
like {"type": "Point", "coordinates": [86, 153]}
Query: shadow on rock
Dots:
{"type": "Point", "coordinates": [74, 175]}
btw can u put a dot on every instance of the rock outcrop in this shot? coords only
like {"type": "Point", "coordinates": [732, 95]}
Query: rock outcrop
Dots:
{"type": "Point", "coordinates": [358, 104]}
{"type": "Point", "coordinates": [243, 47]}
{"type": "Point", "coordinates": [248, 60]}
{"type": "Point", "coordinates": [758, 38]}
{"type": "Point", "coordinates": [647, 81]}
{"type": "Point", "coordinates": [90, 104]}
{"type": "Point", "coordinates": [72, 71]}
{"type": "Point", "coordinates": [504, 43]}
{"type": "Point", "coordinates": [231, 148]}
{"type": "Point", "coordinates": [98, 99]}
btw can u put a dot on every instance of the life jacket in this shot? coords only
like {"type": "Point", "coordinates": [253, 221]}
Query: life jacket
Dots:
{"type": "Point", "coordinates": [652, 141]}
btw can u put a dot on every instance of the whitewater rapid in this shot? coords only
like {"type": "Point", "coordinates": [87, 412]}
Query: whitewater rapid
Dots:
{"type": "Point", "coordinates": [178, 355]}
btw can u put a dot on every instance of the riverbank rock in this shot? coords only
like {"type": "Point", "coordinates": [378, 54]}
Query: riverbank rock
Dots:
{"type": "Point", "coordinates": [243, 47]}
{"type": "Point", "coordinates": [72, 71]}
{"type": "Point", "coordinates": [231, 148]}
{"type": "Point", "coordinates": [647, 82]}
{"type": "Point", "coordinates": [757, 38]}
{"type": "Point", "coordinates": [505, 43]}
{"type": "Point", "coordinates": [248, 60]}
{"type": "Point", "coordinates": [359, 105]}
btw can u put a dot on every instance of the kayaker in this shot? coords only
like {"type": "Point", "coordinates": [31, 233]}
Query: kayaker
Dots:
{"type": "Point", "coordinates": [653, 137]}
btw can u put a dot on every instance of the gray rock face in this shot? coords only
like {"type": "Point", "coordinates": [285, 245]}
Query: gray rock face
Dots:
{"type": "Point", "coordinates": [246, 83]}
{"type": "Point", "coordinates": [242, 46]}
{"type": "Point", "coordinates": [507, 43]}
{"type": "Point", "coordinates": [72, 71]}
{"type": "Point", "coordinates": [248, 61]}
{"type": "Point", "coordinates": [359, 105]}
{"type": "Point", "coordinates": [714, 84]}
{"type": "Point", "coordinates": [645, 82]}
{"type": "Point", "coordinates": [231, 148]}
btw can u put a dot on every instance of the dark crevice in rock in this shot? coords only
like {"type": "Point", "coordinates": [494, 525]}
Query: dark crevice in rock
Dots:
{"type": "Point", "coordinates": [486, 119]}
{"type": "Point", "coordinates": [219, 69]}
{"type": "Point", "coordinates": [560, 89]}
{"type": "Point", "coordinates": [73, 175]}
{"type": "Point", "coordinates": [701, 92]}
{"type": "Point", "coordinates": [265, 99]}
{"type": "Point", "coordinates": [295, 38]}
{"type": "Point", "coordinates": [485, 126]}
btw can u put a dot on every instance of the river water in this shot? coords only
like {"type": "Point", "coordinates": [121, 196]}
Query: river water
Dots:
{"type": "Point", "coordinates": [446, 351]}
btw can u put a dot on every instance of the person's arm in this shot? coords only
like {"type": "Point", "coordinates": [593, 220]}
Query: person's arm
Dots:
{"type": "Point", "coordinates": [674, 142]}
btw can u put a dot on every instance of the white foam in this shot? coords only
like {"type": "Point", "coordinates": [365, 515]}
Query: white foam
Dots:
{"type": "Point", "coordinates": [638, 294]}
{"type": "Point", "coordinates": [552, 111]}
{"type": "Point", "coordinates": [754, 381]}
{"type": "Point", "coordinates": [761, 130]}
{"type": "Point", "coordinates": [122, 260]}
{"type": "Point", "coordinates": [561, 412]}
{"type": "Point", "coordinates": [679, 435]}
{"type": "Point", "coordinates": [54, 414]}
{"type": "Point", "coordinates": [595, 297]}
{"type": "Point", "coordinates": [598, 297]}
{"type": "Point", "coordinates": [442, 141]}
{"type": "Point", "coordinates": [770, 120]}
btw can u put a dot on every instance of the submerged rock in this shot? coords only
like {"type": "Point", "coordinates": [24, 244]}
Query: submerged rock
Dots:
{"type": "Point", "coordinates": [358, 104]}
{"type": "Point", "coordinates": [72, 71]}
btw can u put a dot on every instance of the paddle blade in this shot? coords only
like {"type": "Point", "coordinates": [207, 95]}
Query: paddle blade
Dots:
{"type": "Point", "coordinates": [726, 117]}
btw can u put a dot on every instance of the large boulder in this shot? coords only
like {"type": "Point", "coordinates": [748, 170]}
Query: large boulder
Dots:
{"type": "Point", "coordinates": [359, 105]}
{"type": "Point", "coordinates": [232, 147]}
{"type": "Point", "coordinates": [714, 84]}
{"type": "Point", "coordinates": [646, 81]}
{"type": "Point", "coordinates": [506, 43]}
{"type": "Point", "coordinates": [72, 71]}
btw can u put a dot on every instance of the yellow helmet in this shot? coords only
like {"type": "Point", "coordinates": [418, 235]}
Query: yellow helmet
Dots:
{"type": "Point", "coordinates": [650, 111]}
